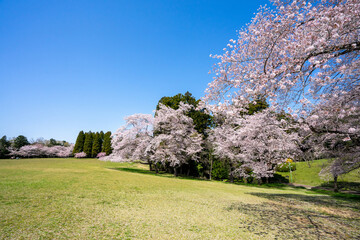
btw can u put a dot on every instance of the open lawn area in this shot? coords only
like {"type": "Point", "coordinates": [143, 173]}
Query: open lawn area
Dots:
{"type": "Point", "coordinates": [308, 174]}
{"type": "Point", "coordinates": [90, 199]}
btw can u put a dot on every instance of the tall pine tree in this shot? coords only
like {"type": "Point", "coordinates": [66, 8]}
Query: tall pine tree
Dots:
{"type": "Point", "coordinates": [96, 147]}
{"type": "Point", "coordinates": [107, 143]}
{"type": "Point", "coordinates": [102, 136]}
{"type": "Point", "coordinates": [88, 144]}
{"type": "Point", "coordinates": [79, 144]}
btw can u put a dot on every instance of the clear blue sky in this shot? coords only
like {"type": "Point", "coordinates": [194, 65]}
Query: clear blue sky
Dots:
{"type": "Point", "coordinates": [67, 66]}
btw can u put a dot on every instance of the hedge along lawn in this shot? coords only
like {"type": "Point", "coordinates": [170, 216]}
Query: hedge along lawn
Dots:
{"type": "Point", "coordinates": [310, 175]}
{"type": "Point", "coordinates": [90, 199]}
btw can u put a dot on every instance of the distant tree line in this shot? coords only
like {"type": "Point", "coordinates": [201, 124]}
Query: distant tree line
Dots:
{"type": "Point", "coordinates": [92, 144]}
{"type": "Point", "coordinates": [22, 147]}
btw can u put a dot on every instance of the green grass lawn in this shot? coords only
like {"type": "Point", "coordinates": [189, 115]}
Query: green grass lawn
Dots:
{"type": "Point", "coordinates": [310, 175]}
{"type": "Point", "coordinates": [90, 199]}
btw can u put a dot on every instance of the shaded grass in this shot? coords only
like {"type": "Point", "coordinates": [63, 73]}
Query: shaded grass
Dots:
{"type": "Point", "coordinates": [90, 199]}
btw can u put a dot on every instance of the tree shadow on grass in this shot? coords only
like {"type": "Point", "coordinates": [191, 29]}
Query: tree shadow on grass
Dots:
{"type": "Point", "coordinates": [296, 216]}
{"type": "Point", "coordinates": [317, 200]}
{"type": "Point", "coordinates": [160, 174]}
{"type": "Point", "coordinates": [343, 186]}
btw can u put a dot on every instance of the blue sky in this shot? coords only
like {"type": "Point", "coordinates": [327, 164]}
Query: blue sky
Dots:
{"type": "Point", "coordinates": [67, 66]}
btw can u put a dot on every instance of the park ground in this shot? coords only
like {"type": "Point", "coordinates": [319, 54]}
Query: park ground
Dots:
{"type": "Point", "coordinates": [90, 199]}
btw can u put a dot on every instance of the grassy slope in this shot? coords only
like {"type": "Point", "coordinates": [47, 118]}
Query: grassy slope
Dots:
{"type": "Point", "coordinates": [310, 176]}
{"type": "Point", "coordinates": [89, 199]}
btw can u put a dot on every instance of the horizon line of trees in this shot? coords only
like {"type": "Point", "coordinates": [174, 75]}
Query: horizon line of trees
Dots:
{"type": "Point", "coordinates": [20, 146]}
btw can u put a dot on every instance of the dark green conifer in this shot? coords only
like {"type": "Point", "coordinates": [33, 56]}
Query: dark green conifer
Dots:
{"type": "Point", "coordinates": [96, 147]}
{"type": "Point", "coordinates": [79, 144]}
{"type": "Point", "coordinates": [102, 135]}
{"type": "Point", "coordinates": [107, 143]}
{"type": "Point", "coordinates": [88, 144]}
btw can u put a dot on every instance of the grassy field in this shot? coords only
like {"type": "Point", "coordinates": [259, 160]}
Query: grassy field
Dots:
{"type": "Point", "coordinates": [90, 199]}
{"type": "Point", "coordinates": [310, 175]}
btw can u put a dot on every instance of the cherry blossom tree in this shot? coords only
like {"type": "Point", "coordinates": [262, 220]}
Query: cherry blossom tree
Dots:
{"type": "Point", "coordinates": [131, 140]}
{"type": "Point", "coordinates": [296, 54]}
{"type": "Point", "coordinates": [254, 144]}
{"type": "Point", "coordinates": [175, 140]}
{"type": "Point", "coordinates": [303, 57]}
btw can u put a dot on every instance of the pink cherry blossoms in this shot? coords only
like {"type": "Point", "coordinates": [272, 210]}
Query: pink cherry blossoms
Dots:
{"type": "Point", "coordinates": [169, 138]}
{"type": "Point", "coordinates": [254, 144]}
{"type": "Point", "coordinates": [130, 141]}
{"type": "Point", "coordinates": [295, 54]}
{"type": "Point", "coordinates": [40, 150]}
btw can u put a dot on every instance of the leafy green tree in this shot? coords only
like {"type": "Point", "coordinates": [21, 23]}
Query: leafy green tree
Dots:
{"type": "Point", "coordinates": [79, 144]}
{"type": "Point", "coordinates": [202, 121]}
{"type": "Point", "coordinates": [96, 147]}
{"type": "Point", "coordinates": [107, 143]}
{"type": "Point", "coordinates": [52, 142]}
{"type": "Point", "coordinates": [4, 144]}
{"type": "Point", "coordinates": [88, 143]}
{"type": "Point", "coordinates": [20, 141]}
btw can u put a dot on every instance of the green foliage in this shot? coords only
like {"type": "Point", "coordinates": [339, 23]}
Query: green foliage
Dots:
{"type": "Point", "coordinates": [88, 143]}
{"type": "Point", "coordinates": [20, 141]}
{"type": "Point", "coordinates": [97, 143]}
{"type": "Point", "coordinates": [220, 169]}
{"type": "Point", "coordinates": [79, 144]}
{"type": "Point", "coordinates": [202, 121]}
{"type": "Point", "coordinates": [52, 142]}
{"type": "Point", "coordinates": [107, 143]}
{"type": "Point", "coordinates": [260, 104]}
{"type": "Point", "coordinates": [284, 167]}
{"type": "Point", "coordinates": [4, 144]}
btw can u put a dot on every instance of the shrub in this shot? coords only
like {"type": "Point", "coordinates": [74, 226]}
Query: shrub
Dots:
{"type": "Point", "coordinates": [101, 154]}
{"type": "Point", "coordinates": [284, 167]}
{"type": "Point", "coordinates": [80, 155]}
{"type": "Point", "coordinates": [220, 170]}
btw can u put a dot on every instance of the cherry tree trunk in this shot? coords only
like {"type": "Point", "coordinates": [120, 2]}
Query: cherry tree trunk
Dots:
{"type": "Point", "coordinates": [150, 166]}
{"type": "Point", "coordinates": [336, 189]}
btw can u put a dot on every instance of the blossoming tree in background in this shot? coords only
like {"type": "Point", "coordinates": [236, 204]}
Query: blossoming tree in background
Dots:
{"type": "Point", "coordinates": [175, 140]}
{"type": "Point", "coordinates": [40, 150]}
{"type": "Point", "coordinates": [130, 141]}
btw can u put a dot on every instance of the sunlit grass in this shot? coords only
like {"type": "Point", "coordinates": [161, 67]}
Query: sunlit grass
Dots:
{"type": "Point", "coordinates": [90, 199]}
{"type": "Point", "coordinates": [308, 173]}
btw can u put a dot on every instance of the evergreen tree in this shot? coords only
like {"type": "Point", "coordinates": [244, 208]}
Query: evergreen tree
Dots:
{"type": "Point", "coordinates": [102, 135]}
{"type": "Point", "coordinates": [79, 145]}
{"type": "Point", "coordinates": [20, 141]}
{"type": "Point", "coordinates": [4, 144]}
{"type": "Point", "coordinates": [107, 143]}
{"type": "Point", "coordinates": [96, 147]}
{"type": "Point", "coordinates": [88, 144]}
